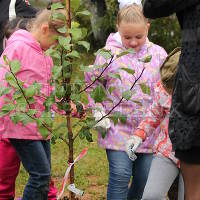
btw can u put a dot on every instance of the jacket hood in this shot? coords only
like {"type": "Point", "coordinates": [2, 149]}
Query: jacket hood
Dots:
{"type": "Point", "coordinates": [114, 41]}
{"type": "Point", "coordinates": [24, 36]}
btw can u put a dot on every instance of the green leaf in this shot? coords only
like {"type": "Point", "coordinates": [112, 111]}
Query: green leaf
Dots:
{"type": "Point", "coordinates": [17, 94]}
{"type": "Point", "coordinates": [145, 88]}
{"type": "Point", "coordinates": [107, 54]}
{"type": "Point", "coordinates": [146, 59]}
{"type": "Point", "coordinates": [128, 70]}
{"type": "Point", "coordinates": [30, 91]}
{"type": "Point", "coordinates": [39, 122]}
{"type": "Point", "coordinates": [123, 53]}
{"type": "Point", "coordinates": [5, 90]}
{"type": "Point", "coordinates": [116, 76]}
{"type": "Point", "coordinates": [8, 107]}
{"type": "Point", "coordinates": [60, 92]}
{"type": "Point", "coordinates": [56, 6]}
{"type": "Point", "coordinates": [84, 44]}
{"type": "Point", "coordinates": [84, 33]}
{"type": "Point", "coordinates": [114, 119]}
{"type": "Point", "coordinates": [56, 71]}
{"type": "Point", "coordinates": [62, 29]}
{"type": "Point", "coordinates": [99, 94]}
{"type": "Point", "coordinates": [31, 112]}
{"type": "Point", "coordinates": [89, 137]}
{"type": "Point", "coordinates": [102, 131]}
{"type": "Point", "coordinates": [137, 102]}
{"type": "Point", "coordinates": [3, 113]}
{"type": "Point", "coordinates": [75, 24]}
{"type": "Point", "coordinates": [111, 89]}
{"type": "Point", "coordinates": [44, 132]}
{"type": "Point", "coordinates": [21, 104]}
{"type": "Point", "coordinates": [83, 132]}
{"type": "Point", "coordinates": [22, 117]}
{"type": "Point", "coordinates": [15, 66]}
{"type": "Point", "coordinates": [75, 97]}
{"type": "Point", "coordinates": [64, 42]}
{"type": "Point", "coordinates": [127, 94]}
{"type": "Point", "coordinates": [116, 116]}
{"type": "Point", "coordinates": [46, 118]}
{"type": "Point", "coordinates": [76, 33]}
{"type": "Point", "coordinates": [79, 107]}
{"type": "Point", "coordinates": [53, 53]}
{"type": "Point", "coordinates": [75, 4]}
{"type": "Point", "coordinates": [84, 12]}
{"type": "Point", "coordinates": [74, 54]}
{"type": "Point", "coordinates": [122, 118]}
{"type": "Point", "coordinates": [11, 80]}
{"type": "Point", "coordinates": [15, 117]}
{"type": "Point", "coordinates": [60, 16]}
{"type": "Point", "coordinates": [5, 58]}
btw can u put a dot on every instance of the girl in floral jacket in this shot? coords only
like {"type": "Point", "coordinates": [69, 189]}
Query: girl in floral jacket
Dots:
{"type": "Point", "coordinates": [133, 30]}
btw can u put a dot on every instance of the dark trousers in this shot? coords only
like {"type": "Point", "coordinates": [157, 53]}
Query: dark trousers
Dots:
{"type": "Point", "coordinates": [36, 159]}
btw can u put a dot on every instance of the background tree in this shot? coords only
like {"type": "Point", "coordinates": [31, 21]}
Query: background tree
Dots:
{"type": "Point", "coordinates": [164, 31]}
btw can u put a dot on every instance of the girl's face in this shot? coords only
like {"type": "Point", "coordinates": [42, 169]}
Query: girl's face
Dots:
{"type": "Point", "coordinates": [46, 39]}
{"type": "Point", "coordinates": [133, 35]}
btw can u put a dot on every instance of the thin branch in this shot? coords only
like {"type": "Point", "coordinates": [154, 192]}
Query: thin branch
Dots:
{"type": "Point", "coordinates": [122, 97]}
{"type": "Point", "coordinates": [43, 124]}
{"type": "Point", "coordinates": [98, 77]}
{"type": "Point", "coordinates": [64, 140]}
{"type": "Point", "coordinates": [35, 118]}
{"type": "Point", "coordinates": [20, 87]}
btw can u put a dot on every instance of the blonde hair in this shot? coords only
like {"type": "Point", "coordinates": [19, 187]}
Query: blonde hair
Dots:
{"type": "Point", "coordinates": [169, 68]}
{"type": "Point", "coordinates": [45, 16]}
{"type": "Point", "coordinates": [131, 14]}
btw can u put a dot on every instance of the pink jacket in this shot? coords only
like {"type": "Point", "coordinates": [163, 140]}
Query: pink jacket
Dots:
{"type": "Point", "coordinates": [35, 66]}
{"type": "Point", "coordinates": [138, 105]}
{"type": "Point", "coordinates": [158, 115]}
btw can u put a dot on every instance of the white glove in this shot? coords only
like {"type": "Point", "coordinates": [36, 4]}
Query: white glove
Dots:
{"type": "Point", "coordinates": [132, 145]}
{"type": "Point", "coordinates": [98, 114]}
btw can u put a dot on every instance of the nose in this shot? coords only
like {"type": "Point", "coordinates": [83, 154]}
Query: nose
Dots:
{"type": "Point", "coordinates": [133, 43]}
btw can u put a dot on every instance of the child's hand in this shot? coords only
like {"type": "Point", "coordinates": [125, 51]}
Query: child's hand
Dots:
{"type": "Point", "coordinates": [132, 145]}
{"type": "Point", "coordinates": [74, 111]}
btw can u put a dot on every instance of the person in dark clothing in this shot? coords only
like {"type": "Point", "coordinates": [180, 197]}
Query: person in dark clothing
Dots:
{"type": "Point", "coordinates": [184, 123]}
{"type": "Point", "coordinates": [9, 10]}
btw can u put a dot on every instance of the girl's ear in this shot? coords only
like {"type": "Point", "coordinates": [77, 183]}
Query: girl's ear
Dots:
{"type": "Point", "coordinates": [45, 28]}
{"type": "Point", "coordinates": [117, 26]}
{"type": "Point", "coordinates": [148, 26]}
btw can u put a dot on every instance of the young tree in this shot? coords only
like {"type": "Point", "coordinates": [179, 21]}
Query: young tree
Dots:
{"type": "Point", "coordinates": [68, 87]}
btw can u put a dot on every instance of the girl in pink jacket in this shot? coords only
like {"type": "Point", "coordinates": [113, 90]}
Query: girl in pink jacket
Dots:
{"type": "Point", "coordinates": [132, 33]}
{"type": "Point", "coordinates": [165, 166]}
{"type": "Point", "coordinates": [10, 164]}
{"type": "Point", "coordinates": [33, 151]}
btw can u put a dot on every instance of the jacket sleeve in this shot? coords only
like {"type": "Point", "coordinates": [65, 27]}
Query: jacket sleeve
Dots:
{"type": "Point", "coordinates": [25, 10]}
{"type": "Point", "coordinates": [162, 8]}
{"type": "Point", "coordinates": [152, 119]}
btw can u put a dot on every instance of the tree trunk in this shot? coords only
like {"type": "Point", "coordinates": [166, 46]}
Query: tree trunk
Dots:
{"type": "Point", "coordinates": [98, 10]}
{"type": "Point", "coordinates": [68, 117]}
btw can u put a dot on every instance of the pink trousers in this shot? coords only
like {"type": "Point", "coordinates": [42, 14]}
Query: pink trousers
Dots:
{"type": "Point", "coordinates": [9, 169]}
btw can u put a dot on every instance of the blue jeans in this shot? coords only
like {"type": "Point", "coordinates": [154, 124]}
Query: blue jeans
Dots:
{"type": "Point", "coordinates": [36, 159]}
{"type": "Point", "coordinates": [120, 171]}
{"type": "Point", "coordinates": [141, 169]}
